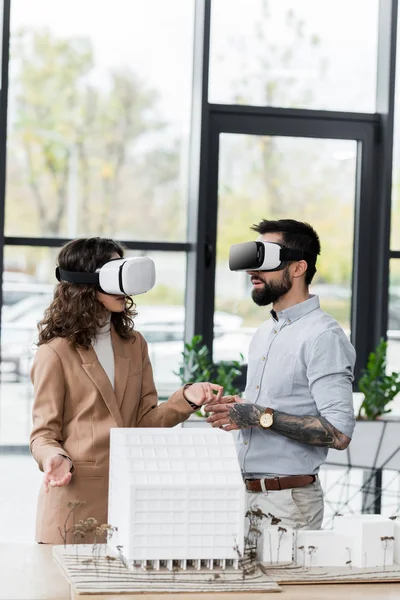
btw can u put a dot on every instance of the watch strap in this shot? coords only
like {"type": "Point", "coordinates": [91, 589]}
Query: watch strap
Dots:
{"type": "Point", "coordinates": [191, 404]}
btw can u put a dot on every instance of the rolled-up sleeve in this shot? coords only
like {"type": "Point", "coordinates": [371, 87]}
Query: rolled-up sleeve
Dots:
{"type": "Point", "coordinates": [330, 375]}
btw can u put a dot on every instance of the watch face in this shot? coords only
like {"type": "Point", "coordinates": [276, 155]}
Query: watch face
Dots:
{"type": "Point", "coordinates": [266, 420]}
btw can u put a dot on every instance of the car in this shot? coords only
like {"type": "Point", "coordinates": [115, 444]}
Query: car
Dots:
{"type": "Point", "coordinates": [15, 290]}
{"type": "Point", "coordinates": [162, 327]}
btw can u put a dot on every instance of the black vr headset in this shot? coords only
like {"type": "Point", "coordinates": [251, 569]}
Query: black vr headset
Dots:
{"type": "Point", "coordinates": [119, 276]}
{"type": "Point", "coordinates": [265, 256]}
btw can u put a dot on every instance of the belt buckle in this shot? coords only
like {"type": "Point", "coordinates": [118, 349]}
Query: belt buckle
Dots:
{"type": "Point", "coordinates": [250, 491]}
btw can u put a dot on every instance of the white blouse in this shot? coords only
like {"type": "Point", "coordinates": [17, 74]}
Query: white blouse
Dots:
{"type": "Point", "coordinates": [103, 347]}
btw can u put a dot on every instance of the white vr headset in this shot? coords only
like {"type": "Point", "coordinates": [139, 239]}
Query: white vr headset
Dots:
{"type": "Point", "coordinates": [119, 276]}
{"type": "Point", "coordinates": [265, 256]}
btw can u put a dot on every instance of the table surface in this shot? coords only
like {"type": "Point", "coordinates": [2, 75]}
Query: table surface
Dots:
{"type": "Point", "coordinates": [28, 572]}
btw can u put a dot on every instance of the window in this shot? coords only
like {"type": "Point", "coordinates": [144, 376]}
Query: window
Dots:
{"type": "Point", "coordinates": [283, 177]}
{"type": "Point", "coordinates": [294, 53]}
{"type": "Point", "coordinates": [99, 115]}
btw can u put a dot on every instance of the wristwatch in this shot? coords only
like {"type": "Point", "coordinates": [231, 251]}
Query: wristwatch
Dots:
{"type": "Point", "coordinates": [267, 418]}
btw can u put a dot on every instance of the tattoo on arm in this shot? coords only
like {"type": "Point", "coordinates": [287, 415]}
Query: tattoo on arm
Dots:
{"type": "Point", "coordinates": [313, 430]}
{"type": "Point", "coordinates": [316, 431]}
{"type": "Point", "coordinates": [245, 415]}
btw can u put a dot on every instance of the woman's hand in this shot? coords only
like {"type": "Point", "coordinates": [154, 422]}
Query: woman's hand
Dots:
{"type": "Point", "coordinates": [203, 393]}
{"type": "Point", "coordinates": [224, 400]}
{"type": "Point", "coordinates": [56, 472]}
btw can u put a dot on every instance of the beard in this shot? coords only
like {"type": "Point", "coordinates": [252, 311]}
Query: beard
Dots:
{"type": "Point", "coordinates": [272, 291]}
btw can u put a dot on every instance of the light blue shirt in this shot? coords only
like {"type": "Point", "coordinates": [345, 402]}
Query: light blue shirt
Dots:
{"type": "Point", "coordinates": [300, 364]}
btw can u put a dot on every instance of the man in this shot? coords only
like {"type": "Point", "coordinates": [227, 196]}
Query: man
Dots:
{"type": "Point", "coordinates": [299, 383]}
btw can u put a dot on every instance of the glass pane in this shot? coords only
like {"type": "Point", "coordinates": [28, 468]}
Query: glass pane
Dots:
{"type": "Point", "coordinates": [294, 53]}
{"type": "Point", "coordinates": [161, 318]}
{"type": "Point", "coordinates": [28, 284]}
{"type": "Point", "coordinates": [395, 220]}
{"type": "Point", "coordinates": [393, 334]}
{"type": "Point", "coordinates": [306, 179]}
{"type": "Point", "coordinates": [99, 119]}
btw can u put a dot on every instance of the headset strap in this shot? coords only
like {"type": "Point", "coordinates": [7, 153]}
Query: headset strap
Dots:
{"type": "Point", "coordinates": [75, 277]}
{"type": "Point", "coordinates": [288, 254]}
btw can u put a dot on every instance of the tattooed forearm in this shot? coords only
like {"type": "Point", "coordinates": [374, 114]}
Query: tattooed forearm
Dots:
{"type": "Point", "coordinates": [245, 415]}
{"type": "Point", "coordinates": [316, 431]}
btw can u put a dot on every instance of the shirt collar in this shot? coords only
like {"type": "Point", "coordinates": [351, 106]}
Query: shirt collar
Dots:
{"type": "Point", "coordinates": [297, 310]}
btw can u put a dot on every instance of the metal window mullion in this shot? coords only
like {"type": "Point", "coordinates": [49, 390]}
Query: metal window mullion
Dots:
{"type": "Point", "coordinates": [240, 111]}
{"type": "Point", "coordinates": [364, 254]}
{"type": "Point", "coordinates": [385, 102]}
{"type": "Point", "coordinates": [197, 308]}
{"type": "Point", "coordinates": [5, 52]}
{"type": "Point", "coordinates": [338, 128]}
{"type": "Point", "coordinates": [130, 244]}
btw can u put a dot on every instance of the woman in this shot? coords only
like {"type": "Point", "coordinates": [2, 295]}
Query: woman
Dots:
{"type": "Point", "coordinates": [91, 372]}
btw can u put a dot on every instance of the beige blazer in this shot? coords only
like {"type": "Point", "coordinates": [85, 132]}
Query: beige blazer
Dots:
{"type": "Point", "coordinates": [74, 408]}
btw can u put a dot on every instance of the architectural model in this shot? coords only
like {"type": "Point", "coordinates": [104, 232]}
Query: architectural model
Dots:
{"type": "Point", "coordinates": [177, 499]}
{"type": "Point", "coordinates": [362, 541]}
{"type": "Point", "coordinates": [176, 494]}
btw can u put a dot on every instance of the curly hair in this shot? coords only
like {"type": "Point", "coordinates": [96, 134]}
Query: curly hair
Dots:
{"type": "Point", "coordinates": [75, 312]}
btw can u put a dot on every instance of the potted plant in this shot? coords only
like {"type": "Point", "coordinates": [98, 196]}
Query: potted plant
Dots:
{"type": "Point", "coordinates": [376, 441]}
{"type": "Point", "coordinates": [198, 366]}
{"type": "Point", "coordinates": [379, 389]}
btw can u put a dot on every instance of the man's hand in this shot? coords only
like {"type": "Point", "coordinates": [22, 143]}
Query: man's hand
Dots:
{"type": "Point", "coordinates": [234, 415]}
{"type": "Point", "coordinates": [203, 393]}
{"type": "Point", "coordinates": [56, 472]}
{"type": "Point", "coordinates": [224, 400]}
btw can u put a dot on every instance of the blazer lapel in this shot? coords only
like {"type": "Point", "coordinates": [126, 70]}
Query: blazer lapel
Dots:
{"type": "Point", "coordinates": [95, 371]}
{"type": "Point", "coordinates": [122, 363]}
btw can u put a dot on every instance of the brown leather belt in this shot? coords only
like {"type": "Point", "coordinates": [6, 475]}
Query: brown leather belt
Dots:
{"type": "Point", "coordinates": [278, 483]}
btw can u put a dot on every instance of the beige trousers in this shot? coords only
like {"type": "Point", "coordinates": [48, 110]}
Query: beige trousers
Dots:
{"type": "Point", "coordinates": [298, 508]}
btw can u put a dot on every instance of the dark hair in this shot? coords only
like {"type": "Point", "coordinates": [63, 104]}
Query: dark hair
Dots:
{"type": "Point", "coordinates": [75, 312]}
{"type": "Point", "coordinates": [295, 235]}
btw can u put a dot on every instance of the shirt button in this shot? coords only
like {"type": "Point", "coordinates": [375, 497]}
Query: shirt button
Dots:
{"type": "Point", "coordinates": [275, 331]}
{"type": "Point", "coordinates": [257, 387]}
{"type": "Point", "coordinates": [263, 357]}
{"type": "Point", "coordinates": [289, 321]}
{"type": "Point", "coordinates": [246, 443]}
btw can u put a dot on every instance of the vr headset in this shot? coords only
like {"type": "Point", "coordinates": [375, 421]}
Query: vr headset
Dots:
{"type": "Point", "coordinates": [265, 256]}
{"type": "Point", "coordinates": [119, 276]}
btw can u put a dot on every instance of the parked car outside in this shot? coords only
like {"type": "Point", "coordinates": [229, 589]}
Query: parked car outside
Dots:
{"type": "Point", "coordinates": [162, 327]}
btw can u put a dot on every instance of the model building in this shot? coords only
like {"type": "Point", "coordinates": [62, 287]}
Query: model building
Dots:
{"type": "Point", "coordinates": [176, 494]}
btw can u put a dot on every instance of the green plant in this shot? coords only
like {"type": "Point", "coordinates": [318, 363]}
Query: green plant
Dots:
{"type": "Point", "coordinates": [198, 366]}
{"type": "Point", "coordinates": [378, 388]}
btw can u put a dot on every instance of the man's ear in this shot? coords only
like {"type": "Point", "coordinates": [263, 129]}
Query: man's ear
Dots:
{"type": "Point", "coordinates": [300, 268]}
